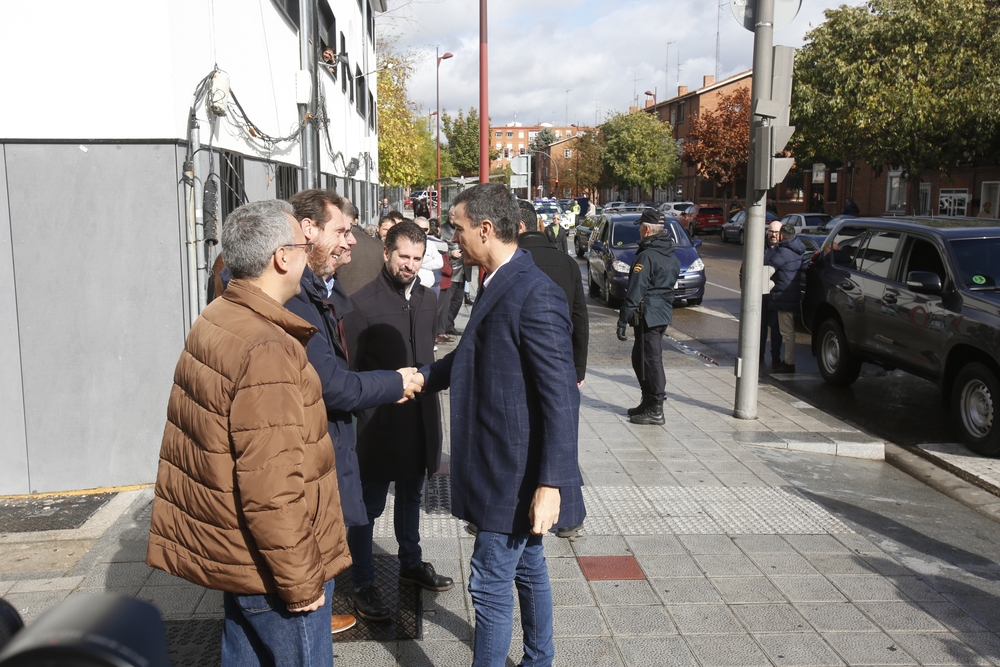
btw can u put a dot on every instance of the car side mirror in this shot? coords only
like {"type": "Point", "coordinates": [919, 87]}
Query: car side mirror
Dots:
{"type": "Point", "coordinates": [924, 282]}
{"type": "Point", "coordinates": [696, 243]}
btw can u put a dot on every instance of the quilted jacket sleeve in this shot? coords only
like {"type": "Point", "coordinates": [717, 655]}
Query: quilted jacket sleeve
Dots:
{"type": "Point", "coordinates": [268, 431]}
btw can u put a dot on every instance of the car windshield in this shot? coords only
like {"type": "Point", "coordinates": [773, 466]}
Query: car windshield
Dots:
{"type": "Point", "coordinates": [817, 219]}
{"type": "Point", "coordinates": [548, 209]}
{"type": "Point", "coordinates": [978, 262]}
{"type": "Point", "coordinates": [627, 233]}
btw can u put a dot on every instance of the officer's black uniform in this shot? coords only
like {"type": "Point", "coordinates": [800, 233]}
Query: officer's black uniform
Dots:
{"type": "Point", "coordinates": [651, 283]}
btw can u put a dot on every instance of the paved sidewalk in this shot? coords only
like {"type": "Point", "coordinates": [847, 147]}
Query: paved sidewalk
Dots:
{"type": "Point", "coordinates": [732, 565]}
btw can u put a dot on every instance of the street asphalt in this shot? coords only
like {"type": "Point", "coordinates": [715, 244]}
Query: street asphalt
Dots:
{"type": "Point", "coordinates": [709, 541]}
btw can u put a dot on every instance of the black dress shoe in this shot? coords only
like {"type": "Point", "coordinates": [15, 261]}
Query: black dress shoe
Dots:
{"type": "Point", "coordinates": [424, 576]}
{"type": "Point", "coordinates": [369, 605]}
{"type": "Point", "coordinates": [454, 332]}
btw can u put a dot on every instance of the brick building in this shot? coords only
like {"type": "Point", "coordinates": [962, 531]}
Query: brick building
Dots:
{"type": "Point", "coordinates": [514, 138]}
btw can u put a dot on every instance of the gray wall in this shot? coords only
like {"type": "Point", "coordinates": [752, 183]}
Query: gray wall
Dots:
{"type": "Point", "coordinates": [13, 446]}
{"type": "Point", "coordinates": [92, 305]}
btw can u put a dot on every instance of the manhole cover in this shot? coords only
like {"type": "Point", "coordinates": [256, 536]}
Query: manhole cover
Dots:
{"type": "Point", "coordinates": [25, 515]}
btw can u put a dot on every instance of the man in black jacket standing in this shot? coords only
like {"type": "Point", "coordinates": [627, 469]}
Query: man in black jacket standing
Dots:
{"type": "Point", "coordinates": [394, 319]}
{"type": "Point", "coordinates": [564, 272]}
{"type": "Point", "coordinates": [557, 234]}
{"type": "Point", "coordinates": [649, 308]}
{"type": "Point", "coordinates": [786, 295]}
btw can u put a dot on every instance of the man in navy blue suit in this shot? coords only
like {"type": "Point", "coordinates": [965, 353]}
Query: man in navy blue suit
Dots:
{"type": "Point", "coordinates": [514, 421]}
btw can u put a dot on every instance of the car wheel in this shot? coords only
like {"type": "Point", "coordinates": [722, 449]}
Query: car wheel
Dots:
{"type": "Point", "coordinates": [695, 302]}
{"type": "Point", "coordinates": [692, 229]}
{"type": "Point", "coordinates": [741, 237]}
{"type": "Point", "coordinates": [973, 405]}
{"type": "Point", "coordinates": [836, 363]}
{"type": "Point", "coordinates": [580, 253]}
{"type": "Point", "coordinates": [609, 301]}
{"type": "Point", "coordinates": [593, 288]}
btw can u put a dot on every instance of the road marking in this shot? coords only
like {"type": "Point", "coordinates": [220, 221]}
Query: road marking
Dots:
{"type": "Point", "coordinates": [728, 289]}
{"type": "Point", "coordinates": [713, 313]}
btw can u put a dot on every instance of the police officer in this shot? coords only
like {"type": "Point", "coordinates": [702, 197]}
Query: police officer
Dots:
{"type": "Point", "coordinates": [649, 307]}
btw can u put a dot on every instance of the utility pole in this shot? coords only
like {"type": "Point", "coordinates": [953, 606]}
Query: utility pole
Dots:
{"type": "Point", "coordinates": [484, 97]}
{"type": "Point", "coordinates": [309, 144]}
{"type": "Point", "coordinates": [666, 82]}
{"type": "Point", "coordinates": [768, 135]}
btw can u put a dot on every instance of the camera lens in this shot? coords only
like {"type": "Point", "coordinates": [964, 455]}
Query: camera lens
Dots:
{"type": "Point", "coordinates": [10, 622]}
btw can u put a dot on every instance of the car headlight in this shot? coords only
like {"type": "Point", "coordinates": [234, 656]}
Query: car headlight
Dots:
{"type": "Point", "coordinates": [697, 265]}
{"type": "Point", "coordinates": [620, 266]}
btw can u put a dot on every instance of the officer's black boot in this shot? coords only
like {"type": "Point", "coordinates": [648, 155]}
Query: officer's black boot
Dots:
{"type": "Point", "coordinates": [652, 416]}
{"type": "Point", "coordinates": [639, 409]}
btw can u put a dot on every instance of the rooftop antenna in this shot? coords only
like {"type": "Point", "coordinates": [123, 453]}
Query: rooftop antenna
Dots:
{"type": "Point", "coordinates": [666, 86]}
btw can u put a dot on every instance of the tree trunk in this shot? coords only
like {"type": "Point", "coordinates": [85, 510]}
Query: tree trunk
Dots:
{"type": "Point", "coordinates": [912, 192]}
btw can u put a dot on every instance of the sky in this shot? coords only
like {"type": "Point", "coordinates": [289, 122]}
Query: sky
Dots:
{"type": "Point", "coordinates": [604, 52]}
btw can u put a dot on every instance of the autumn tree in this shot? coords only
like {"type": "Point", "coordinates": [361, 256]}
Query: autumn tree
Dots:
{"type": "Point", "coordinates": [717, 145]}
{"type": "Point", "coordinates": [638, 151]}
{"type": "Point", "coordinates": [399, 143]}
{"type": "Point", "coordinates": [587, 168]}
{"type": "Point", "coordinates": [909, 84]}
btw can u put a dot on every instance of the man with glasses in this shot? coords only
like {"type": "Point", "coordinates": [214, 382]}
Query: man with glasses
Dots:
{"type": "Point", "coordinates": [323, 303]}
{"type": "Point", "coordinates": [245, 497]}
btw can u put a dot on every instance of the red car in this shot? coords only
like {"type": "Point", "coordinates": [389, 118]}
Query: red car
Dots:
{"type": "Point", "coordinates": [701, 218]}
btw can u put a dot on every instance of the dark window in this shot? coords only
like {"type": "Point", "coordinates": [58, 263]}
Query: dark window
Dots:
{"type": "Point", "coordinates": [625, 233]}
{"type": "Point", "coordinates": [680, 112]}
{"type": "Point", "coordinates": [345, 73]}
{"type": "Point", "coordinates": [923, 256]}
{"type": "Point", "coordinates": [845, 245]}
{"type": "Point", "coordinates": [831, 188]}
{"type": "Point", "coordinates": [362, 94]}
{"type": "Point", "coordinates": [370, 22]}
{"type": "Point", "coordinates": [327, 34]}
{"type": "Point", "coordinates": [290, 9]}
{"type": "Point", "coordinates": [978, 260]}
{"type": "Point", "coordinates": [706, 190]}
{"type": "Point", "coordinates": [371, 111]}
{"type": "Point", "coordinates": [286, 181]}
{"type": "Point", "coordinates": [876, 258]}
{"type": "Point", "coordinates": [233, 193]}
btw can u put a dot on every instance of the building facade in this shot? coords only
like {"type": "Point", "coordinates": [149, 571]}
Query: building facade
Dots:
{"type": "Point", "coordinates": [514, 139]}
{"type": "Point", "coordinates": [128, 129]}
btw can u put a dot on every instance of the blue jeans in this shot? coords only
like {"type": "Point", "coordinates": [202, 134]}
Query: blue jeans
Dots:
{"type": "Point", "coordinates": [497, 560]}
{"type": "Point", "coordinates": [259, 631]}
{"type": "Point", "coordinates": [405, 521]}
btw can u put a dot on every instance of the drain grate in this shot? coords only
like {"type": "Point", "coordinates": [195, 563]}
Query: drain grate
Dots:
{"type": "Point", "coordinates": [198, 642]}
{"type": "Point", "coordinates": [25, 515]}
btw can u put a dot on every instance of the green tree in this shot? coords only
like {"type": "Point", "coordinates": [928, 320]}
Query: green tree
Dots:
{"type": "Point", "coordinates": [428, 157]}
{"type": "Point", "coordinates": [910, 84]}
{"type": "Point", "coordinates": [545, 137]}
{"type": "Point", "coordinates": [463, 140]}
{"type": "Point", "coordinates": [718, 142]}
{"type": "Point", "coordinates": [638, 151]}
{"type": "Point", "coordinates": [398, 136]}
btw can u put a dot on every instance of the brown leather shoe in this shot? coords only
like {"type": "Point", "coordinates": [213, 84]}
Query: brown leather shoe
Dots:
{"type": "Point", "coordinates": [342, 622]}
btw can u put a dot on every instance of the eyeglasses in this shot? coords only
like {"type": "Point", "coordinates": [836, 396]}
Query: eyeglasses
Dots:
{"type": "Point", "coordinates": [307, 246]}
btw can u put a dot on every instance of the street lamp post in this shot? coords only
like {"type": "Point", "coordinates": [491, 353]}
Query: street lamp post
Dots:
{"type": "Point", "coordinates": [651, 93]}
{"type": "Point", "coordinates": [437, 112]}
{"type": "Point", "coordinates": [429, 115]}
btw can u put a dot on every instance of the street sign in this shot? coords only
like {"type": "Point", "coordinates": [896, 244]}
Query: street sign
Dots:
{"type": "Point", "coordinates": [519, 181]}
{"type": "Point", "coordinates": [784, 12]}
{"type": "Point", "coordinates": [519, 165]}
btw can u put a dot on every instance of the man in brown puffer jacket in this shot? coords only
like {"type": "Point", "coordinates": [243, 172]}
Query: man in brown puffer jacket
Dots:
{"type": "Point", "coordinates": [246, 493]}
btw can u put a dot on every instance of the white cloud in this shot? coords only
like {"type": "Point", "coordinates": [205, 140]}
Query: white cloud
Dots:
{"type": "Point", "coordinates": [605, 52]}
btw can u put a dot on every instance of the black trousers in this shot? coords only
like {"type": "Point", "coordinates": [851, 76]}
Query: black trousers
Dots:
{"type": "Point", "coordinates": [444, 305]}
{"type": "Point", "coordinates": [457, 298]}
{"type": "Point", "coordinates": [769, 320]}
{"type": "Point", "coordinates": [647, 355]}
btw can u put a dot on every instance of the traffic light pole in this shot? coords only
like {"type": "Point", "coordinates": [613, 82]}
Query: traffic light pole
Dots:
{"type": "Point", "coordinates": [748, 361]}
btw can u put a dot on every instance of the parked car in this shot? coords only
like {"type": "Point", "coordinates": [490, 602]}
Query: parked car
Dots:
{"type": "Point", "coordinates": [733, 230]}
{"type": "Point", "coordinates": [701, 218]}
{"type": "Point", "coordinates": [612, 205]}
{"type": "Point", "coordinates": [612, 248]}
{"type": "Point", "coordinates": [674, 208]}
{"type": "Point", "coordinates": [913, 297]}
{"type": "Point", "coordinates": [581, 235]}
{"type": "Point", "coordinates": [807, 223]}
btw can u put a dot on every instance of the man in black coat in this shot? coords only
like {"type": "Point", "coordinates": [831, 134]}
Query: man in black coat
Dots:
{"type": "Point", "coordinates": [564, 272]}
{"type": "Point", "coordinates": [557, 234]}
{"type": "Point", "coordinates": [394, 320]}
{"type": "Point", "coordinates": [649, 308]}
{"type": "Point", "coordinates": [786, 296]}
{"type": "Point", "coordinates": [323, 303]}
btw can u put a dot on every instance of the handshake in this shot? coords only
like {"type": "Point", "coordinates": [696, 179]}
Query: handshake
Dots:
{"type": "Point", "coordinates": [413, 383]}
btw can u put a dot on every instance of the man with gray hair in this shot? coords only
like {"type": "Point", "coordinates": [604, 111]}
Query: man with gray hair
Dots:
{"type": "Point", "coordinates": [786, 258]}
{"type": "Point", "coordinates": [246, 491]}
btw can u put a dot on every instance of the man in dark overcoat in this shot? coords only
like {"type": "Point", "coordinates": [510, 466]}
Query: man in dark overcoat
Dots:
{"type": "Point", "coordinates": [394, 321]}
{"type": "Point", "coordinates": [514, 421]}
{"type": "Point", "coordinates": [322, 302]}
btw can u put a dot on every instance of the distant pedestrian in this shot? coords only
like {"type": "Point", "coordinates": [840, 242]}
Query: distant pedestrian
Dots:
{"type": "Point", "coordinates": [649, 308]}
{"type": "Point", "coordinates": [984, 212]}
{"type": "Point", "coordinates": [786, 296]}
{"type": "Point", "coordinates": [430, 267]}
{"type": "Point", "coordinates": [459, 278]}
{"type": "Point", "coordinates": [385, 209]}
{"type": "Point", "coordinates": [556, 234]}
{"type": "Point", "coordinates": [246, 491]}
{"type": "Point", "coordinates": [851, 208]}
{"type": "Point", "coordinates": [768, 317]}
